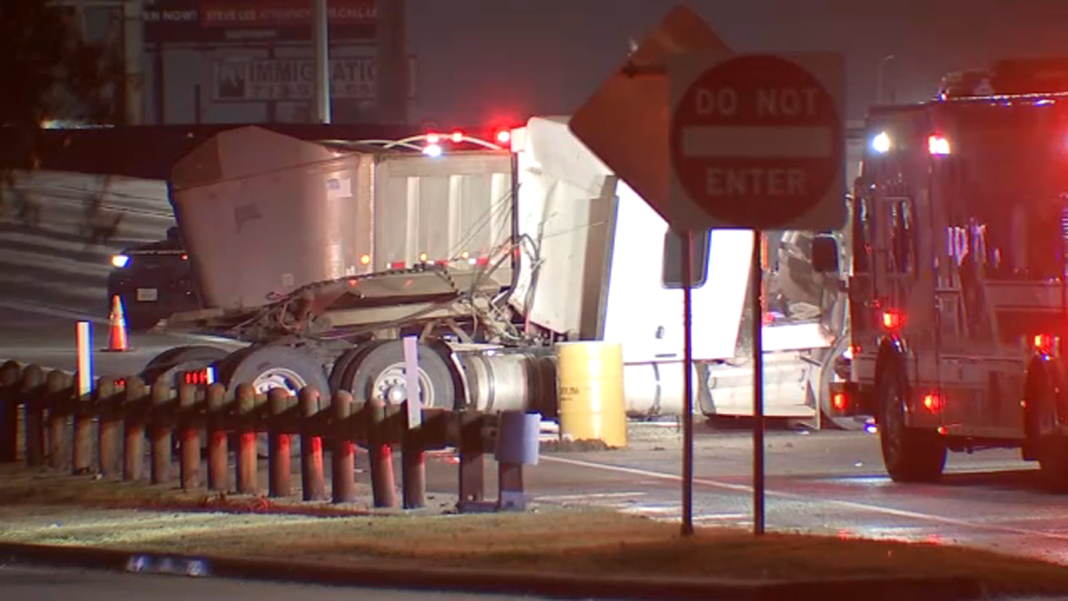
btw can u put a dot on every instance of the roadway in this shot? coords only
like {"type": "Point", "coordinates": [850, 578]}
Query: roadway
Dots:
{"type": "Point", "coordinates": [830, 482]}
{"type": "Point", "coordinates": [51, 584]}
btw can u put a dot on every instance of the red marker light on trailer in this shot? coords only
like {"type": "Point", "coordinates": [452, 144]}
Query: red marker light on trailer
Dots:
{"type": "Point", "coordinates": [457, 136]}
{"type": "Point", "coordinates": [504, 136]}
{"type": "Point", "coordinates": [432, 138]}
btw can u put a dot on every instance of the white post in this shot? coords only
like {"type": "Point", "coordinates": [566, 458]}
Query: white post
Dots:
{"type": "Point", "coordinates": [411, 381]}
{"type": "Point", "coordinates": [85, 357]}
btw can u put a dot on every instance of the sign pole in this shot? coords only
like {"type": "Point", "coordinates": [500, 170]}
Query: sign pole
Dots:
{"type": "Point", "coordinates": [321, 41]}
{"type": "Point", "coordinates": [757, 292]}
{"type": "Point", "coordinates": [687, 366]}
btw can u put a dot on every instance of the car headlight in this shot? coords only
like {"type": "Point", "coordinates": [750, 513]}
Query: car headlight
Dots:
{"type": "Point", "coordinates": [120, 261]}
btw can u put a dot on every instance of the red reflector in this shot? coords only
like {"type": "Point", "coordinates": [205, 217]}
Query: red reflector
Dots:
{"type": "Point", "coordinates": [120, 382]}
{"type": "Point", "coordinates": [396, 265]}
{"type": "Point", "coordinates": [483, 261]}
{"type": "Point", "coordinates": [932, 402]}
{"type": "Point", "coordinates": [839, 401]}
{"type": "Point", "coordinates": [442, 262]}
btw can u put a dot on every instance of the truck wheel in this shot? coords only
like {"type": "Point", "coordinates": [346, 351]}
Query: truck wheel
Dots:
{"type": "Point", "coordinates": [183, 358]}
{"type": "Point", "coordinates": [1052, 447]}
{"type": "Point", "coordinates": [341, 365]}
{"type": "Point", "coordinates": [380, 374]}
{"type": "Point", "coordinates": [267, 367]}
{"type": "Point", "coordinates": [910, 454]}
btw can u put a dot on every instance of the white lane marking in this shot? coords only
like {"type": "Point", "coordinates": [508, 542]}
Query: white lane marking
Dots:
{"type": "Point", "coordinates": [712, 517]}
{"type": "Point", "coordinates": [584, 497]}
{"type": "Point", "coordinates": [903, 513]}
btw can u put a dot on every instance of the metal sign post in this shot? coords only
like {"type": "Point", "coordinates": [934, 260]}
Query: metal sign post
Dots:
{"type": "Point", "coordinates": [687, 398]}
{"type": "Point", "coordinates": [757, 291]}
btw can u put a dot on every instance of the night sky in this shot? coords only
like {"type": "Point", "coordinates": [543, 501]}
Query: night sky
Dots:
{"type": "Point", "coordinates": [481, 60]}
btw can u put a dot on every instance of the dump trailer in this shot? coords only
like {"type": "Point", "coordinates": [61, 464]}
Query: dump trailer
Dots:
{"type": "Point", "coordinates": [324, 255]}
{"type": "Point", "coordinates": [957, 280]}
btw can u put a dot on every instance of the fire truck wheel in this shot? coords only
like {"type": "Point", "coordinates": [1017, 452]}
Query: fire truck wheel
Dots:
{"type": "Point", "coordinates": [183, 358]}
{"type": "Point", "coordinates": [910, 454]}
{"type": "Point", "coordinates": [1052, 447]}
{"type": "Point", "coordinates": [380, 373]}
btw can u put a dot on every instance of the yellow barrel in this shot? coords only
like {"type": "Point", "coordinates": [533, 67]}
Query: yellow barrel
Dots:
{"type": "Point", "coordinates": [590, 376]}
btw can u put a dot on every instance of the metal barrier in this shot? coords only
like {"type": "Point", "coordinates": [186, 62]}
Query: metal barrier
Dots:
{"type": "Point", "coordinates": [59, 426]}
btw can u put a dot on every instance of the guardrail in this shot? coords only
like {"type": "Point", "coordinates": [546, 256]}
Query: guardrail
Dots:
{"type": "Point", "coordinates": [59, 427]}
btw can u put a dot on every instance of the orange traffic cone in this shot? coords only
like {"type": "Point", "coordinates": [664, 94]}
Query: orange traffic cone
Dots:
{"type": "Point", "coordinates": [117, 341]}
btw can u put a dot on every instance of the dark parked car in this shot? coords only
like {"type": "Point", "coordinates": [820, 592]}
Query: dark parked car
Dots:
{"type": "Point", "coordinates": [154, 281]}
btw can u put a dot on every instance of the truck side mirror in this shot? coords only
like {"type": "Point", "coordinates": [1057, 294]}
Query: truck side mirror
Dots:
{"type": "Point", "coordinates": [825, 254]}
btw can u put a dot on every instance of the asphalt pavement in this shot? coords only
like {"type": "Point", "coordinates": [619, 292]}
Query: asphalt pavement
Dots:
{"type": "Point", "coordinates": [68, 584]}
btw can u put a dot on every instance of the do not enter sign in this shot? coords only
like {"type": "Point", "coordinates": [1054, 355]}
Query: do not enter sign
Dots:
{"type": "Point", "coordinates": [757, 142]}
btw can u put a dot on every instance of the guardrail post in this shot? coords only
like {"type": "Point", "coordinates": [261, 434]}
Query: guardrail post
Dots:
{"type": "Point", "coordinates": [162, 442]}
{"type": "Point", "coordinates": [107, 427]}
{"type": "Point", "coordinates": [246, 450]}
{"type": "Point", "coordinates": [218, 445]}
{"type": "Point", "coordinates": [343, 459]}
{"type": "Point", "coordinates": [188, 437]}
{"type": "Point", "coordinates": [312, 481]}
{"type": "Point", "coordinates": [381, 454]}
{"type": "Point", "coordinates": [32, 397]}
{"type": "Point", "coordinates": [279, 480]}
{"type": "Point", "coordinates": [84, 412]}
{"type": "Point", "coordinates": [472, 458]}
{"type": "Point", "coordinates": [133, 409]}
{"type": "Point", "coordinates": [58, 395]}
{"type": "Point", "coordinates": [9, 412]}
{"type": "Point", "coordinates": [517, 444]}
{"type": "Point", "coordinates": [413, 462]}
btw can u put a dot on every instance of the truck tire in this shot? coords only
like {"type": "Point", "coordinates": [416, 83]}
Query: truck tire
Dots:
{"type": "Point", "coordinates": [267, 367]}
{"type": "Point", "coordinates": [341, 365]}
{"type": "Point", "coordinates": [909, 454]}
{"type": "Point", "coordinates": [183, 358]}
{"type": "Point", "coordinates": [373, 373]}
{"type": "Point", "coordinates": [1051, 447]}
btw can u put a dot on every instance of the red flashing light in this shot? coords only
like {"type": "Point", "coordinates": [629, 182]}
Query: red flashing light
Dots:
{"type": "Point", "coordinates": [893, 320]}
{"type": "Point", "coordinates": [504, 136]}
{"type": "Point", "coordinates": [938, 145]}
{"type": "Point", "coordinates": [932, 402]}
{"type": "Point", "coordinates": [120, 383]}
{"type": "Point", "coordinates": [457, 136]}
{"type": "Point", "coordinates": [1044, 344]}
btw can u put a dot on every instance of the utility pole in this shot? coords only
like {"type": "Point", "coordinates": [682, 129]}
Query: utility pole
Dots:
{"type": "Point", "coordinates": [391, 65]}
{"type": "Point", "coordinates": [133, 49]}
{"type": "Point", "coordinates": [321, 43]}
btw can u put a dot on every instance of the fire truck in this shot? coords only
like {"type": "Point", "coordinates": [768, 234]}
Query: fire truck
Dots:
{"type": "Point", "coordinates": [957, 285]}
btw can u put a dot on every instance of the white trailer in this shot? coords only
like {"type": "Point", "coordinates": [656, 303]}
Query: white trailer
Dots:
{"type": "Point", "coordinates": [322, 255]}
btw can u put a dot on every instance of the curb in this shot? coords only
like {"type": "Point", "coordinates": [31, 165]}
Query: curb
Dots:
{"type": "Point", "coordinates": [494, 581]}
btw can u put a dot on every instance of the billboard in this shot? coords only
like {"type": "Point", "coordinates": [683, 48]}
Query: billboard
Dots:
{"type": "Point", "coordinates": [267, 79]}
{"type": "Point", "coordinates": [205, 21]}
